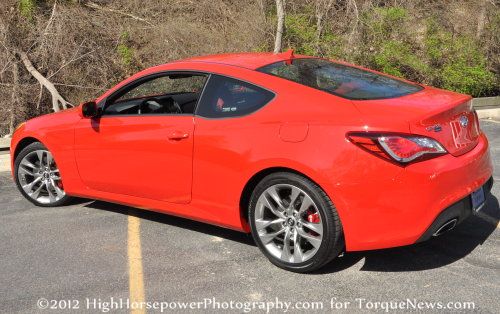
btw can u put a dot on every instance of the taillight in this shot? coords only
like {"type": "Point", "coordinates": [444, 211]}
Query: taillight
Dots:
{"type": "Point", "coordinates": [398, 147]}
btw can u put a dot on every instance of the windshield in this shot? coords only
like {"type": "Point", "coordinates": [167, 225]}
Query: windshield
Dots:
{"type": "Point", "coordinates": [338, 79]}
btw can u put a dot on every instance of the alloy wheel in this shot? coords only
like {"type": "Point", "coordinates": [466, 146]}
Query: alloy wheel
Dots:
{"type": "Point", "coordinates": [39, 177]}
{"type": "Point", "coordinates": [288, 223]}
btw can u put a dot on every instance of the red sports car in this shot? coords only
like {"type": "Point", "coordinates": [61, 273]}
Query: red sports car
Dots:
{"type": "Point", "coordinates": [311, 156]}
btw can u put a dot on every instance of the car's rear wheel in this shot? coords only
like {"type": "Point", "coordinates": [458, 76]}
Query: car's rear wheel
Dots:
{"type": "Point", "coordinates": [37, 176]}
{"type": "Point", "coordinates": [294, 222]}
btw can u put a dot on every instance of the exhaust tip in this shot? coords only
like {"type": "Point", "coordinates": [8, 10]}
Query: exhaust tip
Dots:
{"type": "Point", "coordinates": [447, 226]}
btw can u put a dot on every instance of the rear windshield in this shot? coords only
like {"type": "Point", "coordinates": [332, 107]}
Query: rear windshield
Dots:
{"type": "Point", "coordinates": [339, 79]}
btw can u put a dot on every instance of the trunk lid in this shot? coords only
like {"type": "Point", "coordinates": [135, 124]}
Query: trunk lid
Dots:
{"type": "Point", "coordinates": [445, 116]}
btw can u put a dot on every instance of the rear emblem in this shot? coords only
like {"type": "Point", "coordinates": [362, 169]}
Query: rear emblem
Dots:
{"type": "Point", "coordinates": [435, 128]}
{"type": "Point", "coordinates": [464, 121]}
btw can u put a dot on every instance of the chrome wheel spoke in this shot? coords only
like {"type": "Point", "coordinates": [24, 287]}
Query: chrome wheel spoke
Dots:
{"type": "Point", "coordinates": [36, 192]}
{"type": "Point", "coordinates": [39, 154]}
{"type": "Point", "coordinates": [316, 227]}
{"type": "Point", "coordinates": [27, 171]}
{"type": "Point", "coordinates": [275, 196]}
{"type": "Point", "coordinates": [261, 224]}
{"type": "Point", "coordinates": [306, 203]}
{"type": "Point", "coordinates": [315, 241]}
{"type": "Point", "coordinates": [49, 159]}
{"type": "Point", "coordinates": [28, 187]}
{"type": "Point", "coordinates": [298, 256]}
{"type": "Point", "coordinates": [286, 252]}
{"type": "Point", "coordinates": [59, 192]}
{"type": "Point", "coordinates": [54, 174]}
{"type": "Point", "coordinates": [27, 164]}
{"type": "Point", "coordinates": [271, 207]}
{"type": "Point", "coordinates": [293, 197]}
{"type": "Point", "coordinates": [268, 237]}
{"type": "Point", "coordinates": [52, 196]}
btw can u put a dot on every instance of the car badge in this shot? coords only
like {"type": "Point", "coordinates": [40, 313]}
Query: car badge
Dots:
{"type": "Point", "coordinates": [434, 128]}
{"type": "Point", "coordinates": [464, 121]}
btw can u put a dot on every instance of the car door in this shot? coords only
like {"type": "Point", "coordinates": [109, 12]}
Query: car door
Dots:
{"type": "Point", "coordinates": [142, 142]}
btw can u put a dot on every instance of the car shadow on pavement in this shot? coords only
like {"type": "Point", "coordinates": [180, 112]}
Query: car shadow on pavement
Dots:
{"type": "Point", "coordinates": [170, 220]}
{"type": "Point", "coordinates": [437, 252]}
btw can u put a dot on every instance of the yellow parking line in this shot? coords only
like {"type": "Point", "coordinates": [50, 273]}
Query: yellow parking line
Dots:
{"type": "Point", "coordinates": [135, 274]}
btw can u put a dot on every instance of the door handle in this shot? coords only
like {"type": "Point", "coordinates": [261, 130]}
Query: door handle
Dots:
{"type": "Point", "coordinates": [178, 135]}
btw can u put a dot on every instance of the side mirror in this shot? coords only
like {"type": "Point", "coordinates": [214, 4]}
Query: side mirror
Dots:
{"type": "Point", "coordinates": [89, 109]}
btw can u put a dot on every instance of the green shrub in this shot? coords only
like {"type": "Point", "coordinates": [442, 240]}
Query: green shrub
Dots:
{"type": "Point", "coordinates": [459, 63]}
{"type": "Point", "coordinates": [301, 34]}
{"type": "Point", "coordinates": [126, 53]}
{"type": "Point", "coordinates": [27, 8]}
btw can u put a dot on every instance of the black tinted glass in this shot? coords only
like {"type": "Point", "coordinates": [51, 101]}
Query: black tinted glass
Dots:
{"type": "Point", "coordinates": [165, 94]}
{"type": "Point", "coordinates": [227, 97]}
{"type": "Point", "coordinates": [342, 80]}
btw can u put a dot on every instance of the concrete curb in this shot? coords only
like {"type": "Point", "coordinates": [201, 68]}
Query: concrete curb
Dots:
{"type": "Point", "coordinates": [487, 107]}
{"type": "Point", "coordinates": [4, 144]}
{"type": "Point", "coordinates": [489, 113]}
{"type": "Point", "coordinates": [486, 102]}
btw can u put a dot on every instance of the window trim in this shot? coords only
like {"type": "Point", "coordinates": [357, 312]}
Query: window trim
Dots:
{"type": "Point", "coordinates": [103, 104]}
{"type": "Point", "coordinates": [236, 116]}
{"type": "Point", "coordinates": [419, 86]}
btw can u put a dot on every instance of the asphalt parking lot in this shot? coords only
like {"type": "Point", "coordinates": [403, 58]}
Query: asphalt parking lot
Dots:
{"type": "Point", "coordinates": [84, 252]}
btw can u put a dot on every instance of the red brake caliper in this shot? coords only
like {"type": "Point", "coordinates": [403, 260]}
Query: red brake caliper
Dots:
{"type": "Point", "coordinates": [312, 217]}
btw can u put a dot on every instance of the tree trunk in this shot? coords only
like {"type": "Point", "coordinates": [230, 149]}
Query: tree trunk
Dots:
{"type": "Point", "coordinates": [15, 97]}
{"type": "Point", "coordinates": [280, 12]}
{"type": "Point", "coordinates": [58, 102]}
{"type": "Point", "coordinates": [481, 20]}
{"type": "Point", "coordinates": [354, 31]}
{"type": "Point", "coordinates": [322, 9]}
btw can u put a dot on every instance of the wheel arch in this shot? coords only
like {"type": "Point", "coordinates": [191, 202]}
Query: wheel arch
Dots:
{"type": "Point", "coordinates": [22, 144]}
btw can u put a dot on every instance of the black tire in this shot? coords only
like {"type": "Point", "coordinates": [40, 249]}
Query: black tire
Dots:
{"type": "Point", "coordinates": [333, 241]}
{"type": "Point", "coordinates": [25, 151]}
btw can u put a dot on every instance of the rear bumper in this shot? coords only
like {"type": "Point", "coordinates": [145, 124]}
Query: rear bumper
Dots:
{"type": "Point", "coordinates": [454, 214]}
{"type": "Point", "coordinates": [397, 210]}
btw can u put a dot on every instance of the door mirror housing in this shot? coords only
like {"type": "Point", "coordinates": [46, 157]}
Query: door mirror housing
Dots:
{"type": "Point", "coordinates": [89, 109]}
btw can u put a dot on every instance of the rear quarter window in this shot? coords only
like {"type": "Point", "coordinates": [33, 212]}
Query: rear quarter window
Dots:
{"type": "Point", "coordinates": [341, 80]}
{"type": "Point", "coordinates": [228, 97]}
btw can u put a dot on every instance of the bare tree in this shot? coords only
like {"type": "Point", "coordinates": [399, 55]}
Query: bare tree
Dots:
{"type": "Point", "coordinates": [14, 98]}
{"type": "Point", "coordinates": [322, 9]}
{"type": "Point", "coordinates": [280, 12]}
{"type": "Point", "coordinates": [481, 19]}
{"type": "Point", "coordinates": [355, 21]}
{"type": "Point", "coordinates": [58, 102]}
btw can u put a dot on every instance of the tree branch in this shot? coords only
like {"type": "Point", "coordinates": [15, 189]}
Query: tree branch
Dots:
{"type": "Point", "coordinates": [58, 101]}
{"type": "Point", "coordinates": [98, 7]}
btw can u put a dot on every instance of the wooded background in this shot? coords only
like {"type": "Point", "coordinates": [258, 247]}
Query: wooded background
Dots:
{"type": "Point", "coordinates": [57, 53]}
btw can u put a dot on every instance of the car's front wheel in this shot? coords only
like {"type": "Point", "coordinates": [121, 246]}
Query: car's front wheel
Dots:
{"type": "Point", "coordinates": [37, 176]}
{"type": "Point", "coordinates": [294, 222]}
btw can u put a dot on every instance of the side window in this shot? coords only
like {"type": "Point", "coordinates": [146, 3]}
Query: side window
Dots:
{"type": "Point", "coordinates": [227, 97]}
{"type": "Point", "coordinates": [168, 94]}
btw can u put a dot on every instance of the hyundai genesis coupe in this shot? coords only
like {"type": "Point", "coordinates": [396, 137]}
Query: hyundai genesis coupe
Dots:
{"type": "Point", "coordinates": [312, 157]}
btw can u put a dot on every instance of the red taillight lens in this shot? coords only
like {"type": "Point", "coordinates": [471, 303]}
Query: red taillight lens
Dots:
{"type": "Point", "coordinates": [401, 148]}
